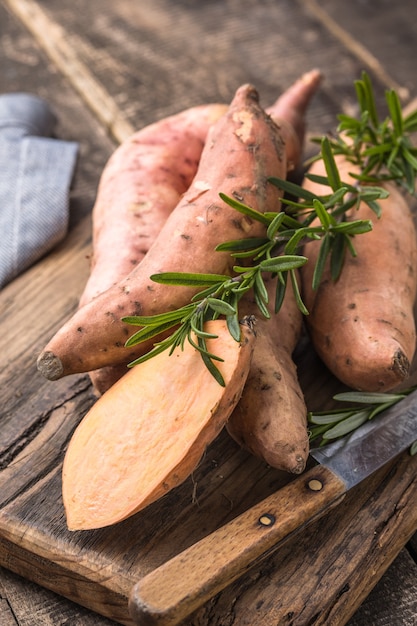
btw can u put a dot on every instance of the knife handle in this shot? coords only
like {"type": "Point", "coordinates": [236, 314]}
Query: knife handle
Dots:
{"type": "Point", "coordinates": [170, 593]}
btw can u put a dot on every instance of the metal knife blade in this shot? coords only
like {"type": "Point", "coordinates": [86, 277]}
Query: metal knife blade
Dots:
{"type": "Point", "coordinates": [358, 455]}
{"type": "Point", "coordinates": [170, 593]}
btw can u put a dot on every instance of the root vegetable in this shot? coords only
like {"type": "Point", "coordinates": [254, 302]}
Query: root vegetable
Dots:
{"type": "Point", "coordinates": [245, 141]}
{"type": "Point", "coordinates": [289, 112]}
{"type": "Point", "coordinates": [362, 326]}
{"type": "Point", "coordinates": [270, 419]}
{"type": "Point", "coordinates": [141, 184]}
{"type": "Point", "coordinates": [147, 433]}
{"type": "Point", "coordinates": [145, 177]}
{"type": "Point", "coordinates": [243, 149]}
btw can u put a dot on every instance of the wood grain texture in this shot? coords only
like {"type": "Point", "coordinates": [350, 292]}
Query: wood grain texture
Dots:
{"type": "Point", "coordinates": [135, 53]}
{"type": "Point", "coordinates": [170, 593]}
{"type": "Point", "coordinates": [337, 552]}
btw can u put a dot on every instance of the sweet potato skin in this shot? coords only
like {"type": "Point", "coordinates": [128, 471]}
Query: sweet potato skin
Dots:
{"type": "Point", "coordinates": [362, 326]}
{"type": "Point", "coordinates": [141, 184]}
{"type": "Point", "coordinates": [243, 149]}
{"type": "Point", "coordinates": [289, 113]}
{"type": "Point", "coordinates": [270, 419]}
{"type": "Point", "coordinates": [147, 433]}
{"type": "Point", "coordinates": [128, 183]}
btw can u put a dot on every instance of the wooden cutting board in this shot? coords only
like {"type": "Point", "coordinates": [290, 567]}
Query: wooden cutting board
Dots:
{"type": "Point", "coordinates": [98, 569]}
{"type": "Point", "coordinates": [321, 576]}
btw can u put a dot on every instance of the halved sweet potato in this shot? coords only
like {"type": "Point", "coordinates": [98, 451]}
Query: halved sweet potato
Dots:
{"type": "Point", "coordinates": [148, 432]}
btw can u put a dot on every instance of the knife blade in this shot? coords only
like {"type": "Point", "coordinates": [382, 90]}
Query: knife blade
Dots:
{"type": "Point", "coordinates": [171, 592]}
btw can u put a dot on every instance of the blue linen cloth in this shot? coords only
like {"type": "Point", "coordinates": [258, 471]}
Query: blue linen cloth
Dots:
{"type": "Point", "coordinates": [36, 171]}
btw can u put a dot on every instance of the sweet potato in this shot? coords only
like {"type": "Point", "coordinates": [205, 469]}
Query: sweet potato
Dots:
{"type": "Point", "coordinates": [270, 419]}
{"type": "Point", "coordinates": [243, 149]}
{"type": "Point", "coordinates": [141, 184]}
{"type": "Point", "coordinates": [145, 177]}
{"type": "Point", "coordinates": [289, 112]}
{"type": "Point", "coordinates": [362, 326]}
{"type": "Point", "coordinates": [147, 433]}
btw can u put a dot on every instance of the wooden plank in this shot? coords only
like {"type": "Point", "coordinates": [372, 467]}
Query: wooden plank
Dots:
{"type": "Point", "coordinates": [381, 34]}
{"type": "Point", "coordinates": [136, 52]}
{"type": "Point", "coordinates": [52, 39]}
{"type": "Point", "coordinates": [347, 24]}
{"type": "Point", "coordinates": [395, 596]}
{"type": "Point", "coordinates": [26, 603]}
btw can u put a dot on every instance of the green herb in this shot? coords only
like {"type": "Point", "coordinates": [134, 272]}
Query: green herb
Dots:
{"type": "Point", "coordinates": [277, 255]}
{"type": "Point", "coordinates": [326, 426]}
{"type": "Point", "coordinates": [382, 150]}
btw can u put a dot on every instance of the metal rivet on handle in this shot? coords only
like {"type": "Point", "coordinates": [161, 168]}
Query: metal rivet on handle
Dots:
{"type": "Point", "coordinates": [315, 485]}
{"type": "Point", "coordinates": [267, 519]}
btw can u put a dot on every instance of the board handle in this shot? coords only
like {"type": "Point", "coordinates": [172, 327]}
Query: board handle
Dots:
{"type": "Point", "coordinates": [173, 591]}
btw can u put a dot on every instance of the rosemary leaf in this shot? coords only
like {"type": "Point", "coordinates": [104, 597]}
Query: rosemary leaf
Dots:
{"type": "Point", "coordinates": [346, 426]}
{"type": "Point", "coordinates": [243, 208]}
{"type": "Point", "coordinates": [330, 164]}
{"type": "Point", "coordinates": [368, 397]}
{"type": "Point", "coordinates": [282, 263]}
{"type": "Point", "coordinates": [275, 225]}
{"type": "Point", "coordinates": [238, 245]}
{"type": "Point", "coordinates": [149, 355]}
{"type": "Point", "coordinates": [330, 417]}
{"type": "Point", "coordinates": [155, 320]}
{"type": "Point", "coordinates": [199, 332]}
{"type": "Point", "coordinates": [220, 306]}
{"type": "Point", "coordinates": [324, 252]}
{"type": "Point", "coordinates": [280, 291]}
{"type": "Point", "coordinates": [262, 305]}
{"type": "Point", "coordinates": [297, 294]}
{"type": "Point", "coordinates": [337, 255]}
{"type": "Point", "coordinates": [292, 188]}
{"type": "Point", "coordinates": [233, 326]}
{"type": "Point", "coordinates": [188, 279]}
{"type": "Point", "coordinates": [148, 332]}
{"type": "Point", "coordinates": [324, 216]}
{"type": "Point", "coordinates": [394, 108]}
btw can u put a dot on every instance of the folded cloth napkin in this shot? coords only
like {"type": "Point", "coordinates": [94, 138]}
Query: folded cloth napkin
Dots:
{"type": "Point", "coordinates": [35, 177]}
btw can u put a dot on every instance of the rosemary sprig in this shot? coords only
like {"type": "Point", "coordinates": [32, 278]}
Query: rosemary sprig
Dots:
{"type": "Point", "coordinates": [327, 426]}
{"type": "Point", "coordinates": [277, 254]}
{"type": "Point", "coordinates": [382, 150]}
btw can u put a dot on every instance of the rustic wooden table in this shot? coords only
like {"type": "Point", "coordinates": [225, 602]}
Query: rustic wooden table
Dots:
{"type": "Point", "coordinates": [108, 68]}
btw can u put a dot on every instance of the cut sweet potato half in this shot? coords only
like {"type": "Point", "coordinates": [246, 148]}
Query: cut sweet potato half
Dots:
{"type": "Point", "coordinates": [148, 432]}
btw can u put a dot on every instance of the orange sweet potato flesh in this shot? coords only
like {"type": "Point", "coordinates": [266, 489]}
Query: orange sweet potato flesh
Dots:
{"type": "Point", "coordinates": [243, 149]}
{"type": "Point", "coordinates": [362, 326]}
{"type": "Point", "coordinates": [146, 434]}
{"type": "Point", "coordinates": [270, 419]}
{"type": "Point", "coordinates": [141, 184]}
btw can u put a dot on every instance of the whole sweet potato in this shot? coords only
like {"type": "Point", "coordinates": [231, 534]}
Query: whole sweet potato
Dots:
{"type": "Point", "coordinates": [141, 184]}
{"type": "Point", "coordinates": [243, 149]}
{"type": "Point", "coordinates": [270, 419]}
{"type": "Point", "coordinates": [362, 326]}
